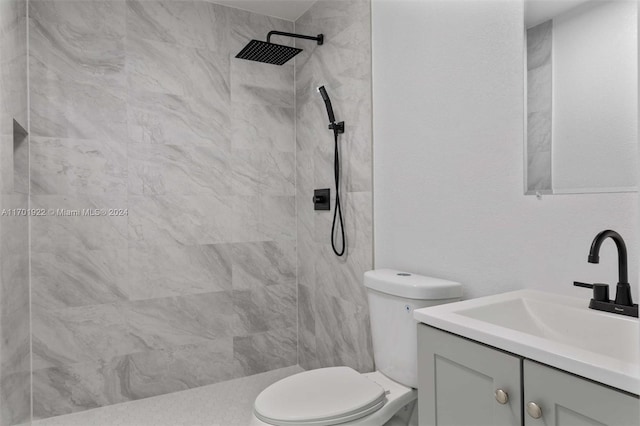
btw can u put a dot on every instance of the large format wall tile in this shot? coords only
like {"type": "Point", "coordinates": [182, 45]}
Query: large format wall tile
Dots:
{"type": "Point", "coordinates": [75, 387]}
{"type": "Point", "coordinates": [176, 169]}
{"type": "Point", "coordinates": [245, 26]}
{"type": "Point", "coordinates": [263, 128]}
{"type": "Point", "coordinates": [13, 85]}
{"type": "Point", "coordinates": [279, 217]}
{"type": "Point", "coordinates": [175, 270]}
{"type": "Point", "coordinates": [260, 172]}
{"type": "Point", "coordinates": [267, 308]}
{"type": "Point", "coordinates": [153, 373]}
{"type": "Point", "coordinates": [142, 106]}
{"type": "Point", "coordinates": [68, 276]}
{"type": "Point", "coordinates": [157, 118]}
{"type": "Point", "coordinates": [66, 226]}
{"type": "Point", "coordinates": [177, 70]}
{"type": "Point", "coordinates": [263, 218]}
{"type": "Point", "coordinates": [333, 315]}
{"type": "Point", "coordinates": [188, 23]}
{"type": "Point", "coordinates": [183, 219]}
{"type": "Point", "coordinates": [307, 350]}
{"type": "Point", "coordinates": [358, 157]}
{"type": "Point", "coordinates": [340, 338]}
{"type": "Point", "coordinates": [262, 84]}
{"type": "Point", "coordinates": [153, 348]}
{"type": "Point", "coordinates": [101, 332]}
{"type": "Point", "coordinates": [260, 264]}
{"type": "Point", "coordinates": [72, 166]}
{"type": "Point", "coordinates": [266, 351]}
{"type": "Point", "coordinates": [6, 163]}
{"type": "Point", "coordinates": [15, 384]}
{"type": "Point", "coordinates": [13, 63]}
{"type": "Point", "coordinates": [78, 41]}
{"type": "Point", "coordinates": [61, 109]}
{"type": "Point", "coordinates": [14, 287]}
{"type": "Point", "coordinates": [16, 395]}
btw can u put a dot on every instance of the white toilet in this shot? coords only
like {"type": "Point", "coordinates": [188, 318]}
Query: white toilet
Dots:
{"type": "Point", "coordinates": [341, 395]}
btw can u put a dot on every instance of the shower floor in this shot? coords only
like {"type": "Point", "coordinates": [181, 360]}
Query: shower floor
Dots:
{"type": "Point", "coordinates": [222, 404]}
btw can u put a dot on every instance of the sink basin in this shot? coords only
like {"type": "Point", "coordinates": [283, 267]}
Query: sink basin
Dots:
{"type": "Point", "coordinates": [616, 337]}
{"type": "Point", "coordinates": [556, 330]}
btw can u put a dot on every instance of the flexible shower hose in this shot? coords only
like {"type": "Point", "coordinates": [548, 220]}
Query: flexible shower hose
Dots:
{"type": "Point", "coordinates": [337, 213]}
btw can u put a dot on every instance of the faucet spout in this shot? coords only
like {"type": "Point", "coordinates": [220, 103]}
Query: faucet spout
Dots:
{"type": "Point", "coordinates": [623, 293]}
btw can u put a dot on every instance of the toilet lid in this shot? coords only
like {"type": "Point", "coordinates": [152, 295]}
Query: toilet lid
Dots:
{"type": "Point", "coordinates": [326, 396]}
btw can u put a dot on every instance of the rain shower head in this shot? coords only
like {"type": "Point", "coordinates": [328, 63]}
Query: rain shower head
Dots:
{"type": "Point", "coordinates": [269, 53]}
{"type": "Point", "coordinates": [272, 53]}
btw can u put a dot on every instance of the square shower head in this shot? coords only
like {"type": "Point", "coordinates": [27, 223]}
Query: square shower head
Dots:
{"type": "Point", "coordinates": [266, 52]}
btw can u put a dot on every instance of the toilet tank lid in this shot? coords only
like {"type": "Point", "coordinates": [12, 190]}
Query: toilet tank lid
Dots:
{"type": "Point", "coordinates": [411, 286]}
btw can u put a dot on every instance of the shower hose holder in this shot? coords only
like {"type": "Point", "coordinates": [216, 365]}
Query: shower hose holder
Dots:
{"type": "Point", "coordinates": [337, 127]}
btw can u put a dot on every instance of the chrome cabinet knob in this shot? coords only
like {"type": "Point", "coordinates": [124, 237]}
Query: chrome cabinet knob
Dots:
{"type": "Point", "coordinates": [501, 396]}
{"type": "Point", "coordinates": [534, 410]}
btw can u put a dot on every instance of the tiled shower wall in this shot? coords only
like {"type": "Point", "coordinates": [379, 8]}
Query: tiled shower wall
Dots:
{"type": "Point", "coordinates": [332, 312]}
{"type": "Point", "coordinates": [15, 385]}
{"type": "Point", "coordinates": [140, 106]}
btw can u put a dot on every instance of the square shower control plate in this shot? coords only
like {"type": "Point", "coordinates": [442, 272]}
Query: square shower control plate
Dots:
{"type": "Point", "coordinates": [322, 199]}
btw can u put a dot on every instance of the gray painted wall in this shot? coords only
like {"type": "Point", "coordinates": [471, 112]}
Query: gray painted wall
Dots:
{"type": "Point", "coordinates": [14, 229]}
{"type": "Point", "coordinates": [456, 209]}
{"type": "Point", "coordinates": [141, 106]}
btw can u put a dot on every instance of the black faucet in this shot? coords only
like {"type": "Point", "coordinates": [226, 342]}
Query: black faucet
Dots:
{"type": "Point", "coordinates": [623, 303]}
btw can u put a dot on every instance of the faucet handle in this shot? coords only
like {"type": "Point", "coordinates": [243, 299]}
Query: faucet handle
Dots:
{"type": "Point", "coordinates": [600, 291]}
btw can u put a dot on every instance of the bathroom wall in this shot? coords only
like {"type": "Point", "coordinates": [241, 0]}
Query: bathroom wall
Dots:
{"type": "Point", "coordinates": [140, 106]}
{"type": "Point", "coordinates": [15, 385]}
{"type": "Point", "coordinates": [595, 46]}
{"type": "Point", "coordinates": [448, 164]}
{"type": "Point", "coordinates": [333, 315]}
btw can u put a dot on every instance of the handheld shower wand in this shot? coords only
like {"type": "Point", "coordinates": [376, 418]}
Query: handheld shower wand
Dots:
{"type": "Point", "coordinates": [337, 128]}
{"type": "Point", "coordinates": [327, 103]}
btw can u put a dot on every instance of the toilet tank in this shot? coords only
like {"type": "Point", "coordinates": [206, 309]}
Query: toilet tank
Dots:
{"type": "Point", "coordinates": [393, 296]}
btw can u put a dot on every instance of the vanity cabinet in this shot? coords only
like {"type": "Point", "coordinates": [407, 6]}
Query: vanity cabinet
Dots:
{"type": "Point", "coordinates": [568, 400]}
{"type": "Point", "coordinates": [457, 379]}
{"type": "Point", "coordinates": [462, 382]}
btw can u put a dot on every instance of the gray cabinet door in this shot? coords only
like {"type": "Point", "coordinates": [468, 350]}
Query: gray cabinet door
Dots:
{"type": "Point", "coordinates": [567, 400]}
{"type": "Point", "coordinates": [457, 380]}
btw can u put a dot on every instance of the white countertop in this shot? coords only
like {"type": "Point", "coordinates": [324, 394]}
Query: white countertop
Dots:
{"type": "Point", "coordinates": [556, 330]}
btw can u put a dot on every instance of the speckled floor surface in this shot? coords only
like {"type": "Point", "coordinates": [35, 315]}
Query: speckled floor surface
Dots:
{"type": "Point", "coordinates": [222, 404]}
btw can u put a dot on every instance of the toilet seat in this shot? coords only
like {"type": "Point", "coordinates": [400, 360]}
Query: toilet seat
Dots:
{"type": "Point", "coordinates": [323, 397]}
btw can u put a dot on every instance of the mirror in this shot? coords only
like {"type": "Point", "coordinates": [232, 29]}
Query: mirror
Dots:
{"type": "Point", "coordinates": [582, 96]}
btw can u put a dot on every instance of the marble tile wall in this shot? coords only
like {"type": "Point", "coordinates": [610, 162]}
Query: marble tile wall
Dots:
{"type": "Point", "coordinates": [15, 392]}
{"type": "Point", "coordinates": [539, 106]}
{"type": "Point", "coordinates": [333, 313]}
{"type": "Point", "coordinates": [141, 105]}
